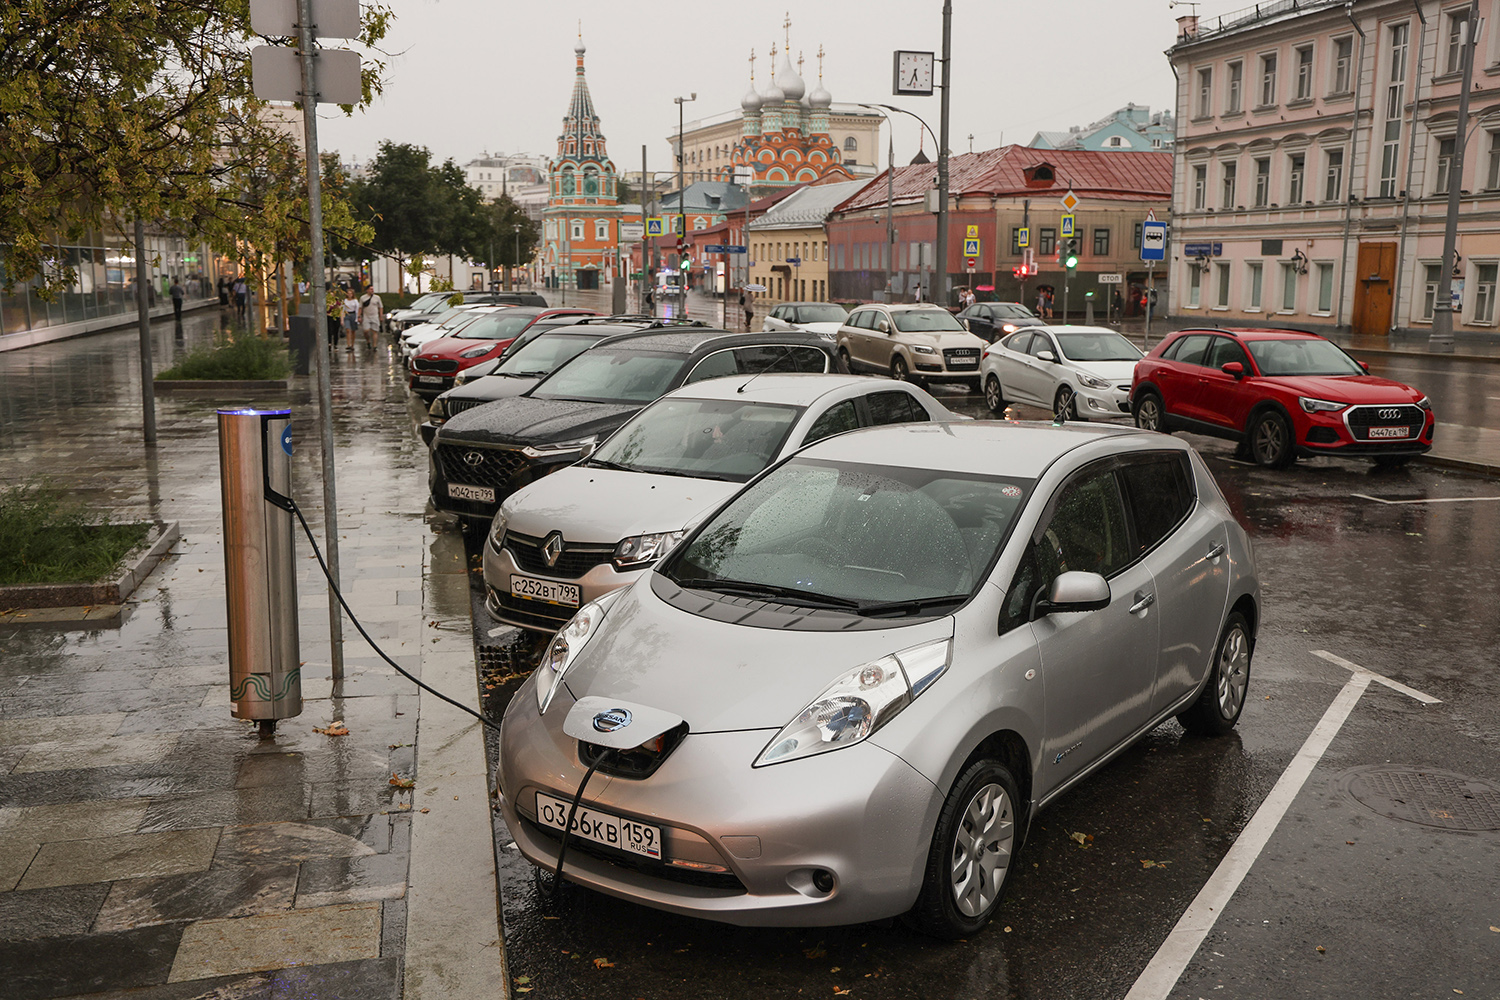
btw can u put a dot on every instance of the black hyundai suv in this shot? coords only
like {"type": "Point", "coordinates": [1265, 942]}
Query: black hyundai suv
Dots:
{"type": "Point", "coordinates": [483, 455]}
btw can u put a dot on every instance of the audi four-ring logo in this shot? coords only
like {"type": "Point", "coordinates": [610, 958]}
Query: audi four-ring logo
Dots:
{"type": "Point", "coordinates": [473, 458]}
{"type": "Point", "coordinates": [1390, 413]}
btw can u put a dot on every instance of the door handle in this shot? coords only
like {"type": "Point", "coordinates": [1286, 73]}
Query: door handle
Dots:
{"type": "Point", "coordinates": [1216, 550]}
{"type": "Point", "coordinates": [1142, 601]}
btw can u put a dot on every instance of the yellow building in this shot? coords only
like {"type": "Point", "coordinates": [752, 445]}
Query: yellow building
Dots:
{"type": "Point", "coordinates": [789, 245]}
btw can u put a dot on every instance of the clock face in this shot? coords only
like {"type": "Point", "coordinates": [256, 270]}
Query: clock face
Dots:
{"type": "Point", "coordinates": [914, 72]}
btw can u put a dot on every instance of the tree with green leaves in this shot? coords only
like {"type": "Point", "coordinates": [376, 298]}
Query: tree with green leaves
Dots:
{"type": "Point", "coordinates": [513, 235]}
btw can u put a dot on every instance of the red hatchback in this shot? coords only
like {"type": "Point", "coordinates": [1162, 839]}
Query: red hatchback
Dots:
{"type": "Point", "coordinates": [1281, 394]}
{"type": "Point", "coordinates": [436, 362]}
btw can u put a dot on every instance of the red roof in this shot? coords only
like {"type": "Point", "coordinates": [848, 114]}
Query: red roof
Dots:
{"type": "Point", "coordinates": [1093, 176]}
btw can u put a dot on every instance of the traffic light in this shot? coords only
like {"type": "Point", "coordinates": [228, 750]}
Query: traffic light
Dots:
{"type": "Point", "coordinates": [1070, 254]}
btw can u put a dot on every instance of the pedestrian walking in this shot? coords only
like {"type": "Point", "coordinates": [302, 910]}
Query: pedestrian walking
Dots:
{"type": "Point", "coordinates": [349, 310]}
{"type": "Point", "coordinates": [177, 292]}
{"type": "Point", "coordinates": [1116, 306]}
{"type": "Point", "coordinates": [747, 304]}
{"type": "Point", "coordinates": [241, 297]}
{"type": "Point", "coordinates": [333, 311]}
{"type": "Point", "coordinates": [371, 315]}
{"type": "Point", "coordinates": [1150, 297]}
{"type": "Point", "coordinates": [223, 288]}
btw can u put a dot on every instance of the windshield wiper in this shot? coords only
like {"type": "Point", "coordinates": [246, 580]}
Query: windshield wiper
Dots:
{"type": "Point", "coordinates": [911, 607]}
{"type": "Point", "coordinates": [684, 473]}
{"type": "Point", "coordinates": [767, 591]}
{"type": "Point", "coordinates": [599, 463]}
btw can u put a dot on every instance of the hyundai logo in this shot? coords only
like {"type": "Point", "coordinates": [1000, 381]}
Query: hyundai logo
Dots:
{"type": "Point", "coordinates": [615, 718]}
{"type": "Point", "coordinates": [552, 549]}
{"type": "Point", "coordinates": [473, 458]}
{"type": "Point", "coordinates": [1390, 413]}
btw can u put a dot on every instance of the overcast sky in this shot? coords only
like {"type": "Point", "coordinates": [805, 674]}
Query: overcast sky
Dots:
{"type": "Point", "coordinates": [469, 76]}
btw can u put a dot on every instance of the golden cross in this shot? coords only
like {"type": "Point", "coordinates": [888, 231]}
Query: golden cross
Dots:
{"type": "Point", "coordinates": [799, 63]}
{"type": "Point", "coordinates": [787, 24]}
{"type": "Point", "coordinates": [752, 65]}
{"type": "Point", "coordinates": [820, 61]}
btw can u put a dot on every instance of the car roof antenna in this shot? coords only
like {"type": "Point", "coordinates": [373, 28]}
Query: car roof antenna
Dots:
{"type": "Point", "coordinates": [787, 352]}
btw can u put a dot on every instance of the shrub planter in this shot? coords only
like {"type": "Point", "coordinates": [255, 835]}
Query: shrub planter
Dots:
{"type": "Point", "coordinates": [198, 386]}
{"type": "Point", "coordinates": [134, 568]}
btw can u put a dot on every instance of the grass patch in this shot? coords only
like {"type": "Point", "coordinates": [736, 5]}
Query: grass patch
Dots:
{"type": "Point", "coordinates": [45, 538]}
{"type": "Point", "coordinates": [241, 359]}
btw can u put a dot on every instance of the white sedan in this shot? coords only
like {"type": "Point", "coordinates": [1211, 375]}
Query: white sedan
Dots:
{"type": "Point", "coordinates": [822, 318]}
{"type": "Point", "coordinates": [414, 337]}
{"type": "Point", "coordinates": [1080, 371]}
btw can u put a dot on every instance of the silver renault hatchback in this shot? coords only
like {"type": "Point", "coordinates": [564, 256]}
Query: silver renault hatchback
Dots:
{"type": "Point", "coordinates": [847, 693]}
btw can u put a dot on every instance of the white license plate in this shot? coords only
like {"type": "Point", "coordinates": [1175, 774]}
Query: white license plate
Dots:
{"type": "Point", "coordinates": [430, 379]}
{"type": "Point", "coordinates": [461, 491]}
{"type": "Point", "coordinates": [566, 594]}
{"type": "Point", "coordinates": [1390, 432]}
{"type": "Point", "coordinates": [601, 828]}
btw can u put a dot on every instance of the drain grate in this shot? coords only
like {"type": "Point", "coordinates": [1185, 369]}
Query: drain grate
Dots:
{"type": "Point", "coordinates": [1419, 795]}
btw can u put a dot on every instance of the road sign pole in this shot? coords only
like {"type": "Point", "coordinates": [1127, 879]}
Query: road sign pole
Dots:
{"type": "Point", "coordinates": [1150, 293]}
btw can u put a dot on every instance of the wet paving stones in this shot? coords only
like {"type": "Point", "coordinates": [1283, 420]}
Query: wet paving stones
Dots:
{"type": "Point", "coordinates": [77, 862]}
{"type": "Point", "coordinates": [277, 940]}
{"type": "Point", "coordinates": [71, 965]}
{"type": "Point", "coordinates": [55, 912]}
{"type": "Point", "coordinates": [226, 891]}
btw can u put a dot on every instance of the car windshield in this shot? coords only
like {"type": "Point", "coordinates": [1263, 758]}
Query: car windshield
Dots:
{"type": "Point", "coordinates": [544, 354]}
{"type": "Point", "coordinates": [429, 302]}
{"type": "Point", "coordinates": [1011, 310]}
{"type": "Point", "coordinates": [1301, 357]}
{"type": "Point", "coordinates": [869, 534]}
{"type": "Point", "coordinates": [703, 438]}
{"type": "Point", "coordinates": [458, 319]}
{"type": "Point", "coordinates": [825, 312]}
{"type": "Point", "coordinates": [504, 325]}
{"type": "Point", "coordinates": [926, 321]}
{"type": "Point", "coordinates": [1097, 347]}
{"type": "Point", "coordinates": [613, 377]}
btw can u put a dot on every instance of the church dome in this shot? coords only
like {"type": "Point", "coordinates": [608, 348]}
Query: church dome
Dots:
{"type": "Point", "coordinates": [773, 95]}
{"type": "Point", "coordinates": [791, 85]}
{"type": "Point", "coordinates": [751, 101]}
{"type": "Point", "coordinates": [820, 97]}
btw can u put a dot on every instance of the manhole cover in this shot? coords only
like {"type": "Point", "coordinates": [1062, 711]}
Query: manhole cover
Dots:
{"type": "Point", "coordinates": [1419, 795]}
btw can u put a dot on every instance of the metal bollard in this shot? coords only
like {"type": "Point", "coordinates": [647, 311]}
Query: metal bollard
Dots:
{"type": "Point", "coordinates": [255, 473]}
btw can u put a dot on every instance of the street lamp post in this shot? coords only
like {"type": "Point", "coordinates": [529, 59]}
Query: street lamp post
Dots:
{"type": "Point", "coordinates": [890, 184]}
{"type": "Point", "coordinates": [1440, 340]}
{"type": "Point", "coordinates": [681, 201]}
{"type": "Point", "coordinates": [942, 170]}
{"type": "Point", "coordinates": [516, 260]}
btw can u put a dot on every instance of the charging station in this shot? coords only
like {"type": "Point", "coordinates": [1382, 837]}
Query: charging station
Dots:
{"type": "Point", "coordinates": [255, 474]}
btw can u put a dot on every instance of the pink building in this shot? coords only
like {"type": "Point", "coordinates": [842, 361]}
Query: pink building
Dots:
{"type": "Point", "coordinates": [1315, 142]}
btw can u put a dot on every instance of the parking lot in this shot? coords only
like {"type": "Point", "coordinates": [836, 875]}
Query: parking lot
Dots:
{"type": "Point", "coordinates": [1368, 870]}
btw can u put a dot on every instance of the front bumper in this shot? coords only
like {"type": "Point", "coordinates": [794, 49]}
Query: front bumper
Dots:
{"type": "Point", "coordinates": [515, 470]}
{"type": "Point", "coordinates": [541, 616]}
{"type": "Point", "coordinates": [861, 813]}
{"type": "Point", "coordinates": [1104, 404]}
{"type": "Point", "coordinates": [1326, 433]}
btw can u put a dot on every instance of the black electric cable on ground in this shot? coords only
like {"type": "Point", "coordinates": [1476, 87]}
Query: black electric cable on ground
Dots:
{"type": "Point", "coordinates": [572, 812]}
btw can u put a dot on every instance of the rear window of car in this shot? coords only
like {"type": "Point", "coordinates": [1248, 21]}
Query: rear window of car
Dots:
{"type": "Point", "coordinates": [894, 408]}
{"type": "Point", "coordinates": [1225, 350]}
{"type": "Point", "coordinates": [760, 359]}
{"type": "Point", "coordinates": [1190, 350]}
{"type": "Point", "coordinates": [826, 312]}
{"type": "Point", "coordinates": [1018, 341]}
{"type": "Point", "coordinates": [613, 377]}
{"type": "Point", "coordinates": [1160, 491]}
{"type": "Point", "coordinates": [926, 321]}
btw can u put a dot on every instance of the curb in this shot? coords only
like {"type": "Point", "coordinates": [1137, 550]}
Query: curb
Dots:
{"type": "Point", "coordinates": [94, 595]}
{"type": "Point", "coordinates": [1458, 464]}
{"type": "Point", "coordinates": [1385, 352]}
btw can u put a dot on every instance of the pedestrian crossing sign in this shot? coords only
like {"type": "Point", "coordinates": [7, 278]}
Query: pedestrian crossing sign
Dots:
{"type": "Point", "coordinates": [656, 226]}
{"type": "Point", "coordinates": [1023, 237]}
{"type": "Point", "coordinates": [971, 247]}
{"type": "Point", "coordinates": [1067, 224]}
{"type": "Point", "coordinates": [973, 233]}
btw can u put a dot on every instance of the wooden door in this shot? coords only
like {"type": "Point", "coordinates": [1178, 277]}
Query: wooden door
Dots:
{"type": "Point", "coordinates": [1374, 277]}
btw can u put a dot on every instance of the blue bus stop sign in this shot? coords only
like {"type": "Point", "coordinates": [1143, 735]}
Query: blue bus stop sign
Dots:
{"type": "Point", "coordinates": [1153, 241]}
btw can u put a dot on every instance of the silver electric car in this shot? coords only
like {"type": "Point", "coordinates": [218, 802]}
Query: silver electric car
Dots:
{"type": "Point", "coordinates": [847, 692]}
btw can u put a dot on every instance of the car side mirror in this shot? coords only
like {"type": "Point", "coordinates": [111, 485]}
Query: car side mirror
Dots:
{"type": "Point", "coordinates": [883, 327]}
{"type": "Point", "coordinates": [1074, 591]}
{"type": "Point", "coordinates": [1047, 356]}
{"type": "Point", "coordinates": [588, 449]}
{"type": "Point", "coordinates": [1366, 366]}
{"type": "Point", "coordinates": [1233, 368]}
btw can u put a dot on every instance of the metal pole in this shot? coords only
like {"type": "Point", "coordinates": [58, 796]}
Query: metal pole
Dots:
{"type": "Point", "coordinates": [1411, 158]}
{"type": "Point", "coordinates": [682, 274]}
{"type": "Point", "coordinates": [143, 311]}
{"type": "Point", "coordinates": [890, 201]}
{"type": "Point", "coordinates": [318, 278]}
{"type": "Point", "coordinates": [1440, 340]}
{"type": "Point", "coordinates": [1349, 160]}
{"type": "Point", "coordinates": [1150, 290]}
{"type": "Point", "coordinates": [942, 170]}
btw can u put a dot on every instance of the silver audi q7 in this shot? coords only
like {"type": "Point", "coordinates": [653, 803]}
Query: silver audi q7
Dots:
{"type": "Point", "coordinates": [847, 693]}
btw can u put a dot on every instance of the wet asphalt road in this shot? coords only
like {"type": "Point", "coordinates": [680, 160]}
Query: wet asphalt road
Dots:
{"type": "Point", "coordinates": [1344, 900]}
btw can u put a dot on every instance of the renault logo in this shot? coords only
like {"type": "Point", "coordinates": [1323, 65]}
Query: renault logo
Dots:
{"type": "Point", "coordinates": [615, 718]}
{"type": "Point", "coordinates": [1390, 413]}
{"type": "Point", "coordinates": [473, 458]}
{"type": "Point", "coordinates": [552, 551]}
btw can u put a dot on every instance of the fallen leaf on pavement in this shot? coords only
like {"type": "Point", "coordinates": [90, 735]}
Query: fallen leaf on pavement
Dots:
{"type": "Point", "coordinates": [425, 810]}
{"type": "Point", "coordinates": [522, 980]}
{"type": "Point", "coordinates": [401, 782]}
{"type": "Point", "coordinates": [816, 951]}
{"type": "Point", "coordinates": [603, 963]}
{"type": "Point", "coordinates": [1495, 929]}
{"type": "Point", "coordinates": [839, 993]}
{"type": "Point", "coordinates": [1082, 839]}
{"type": "Point", "coordinates": [335, 728]}
{"type": "Point", "coordinates": [1322, 950]}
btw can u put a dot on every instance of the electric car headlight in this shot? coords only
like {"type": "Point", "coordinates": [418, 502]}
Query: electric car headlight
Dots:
{"type": "Point", "coordinates": [477, 352]}
{"type": "Point", "coordinates": [920, 349]}
{"type": "Point", "coordinates": [1312, 405]}
{"type": "Point", "coordinates": [497, 530]}
{"type": "Point", "coordinates": [560, 448]}
{"type": "Point", "coordinates": [643, 550]}
{"type": "Point", "coordinates": [567, 644]}
{"type": "Point", "coordinates": [859, 702]}
{"type": "Point", "coordinates": [1092, 382]}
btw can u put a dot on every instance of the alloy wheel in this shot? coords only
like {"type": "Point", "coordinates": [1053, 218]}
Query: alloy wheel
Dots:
{"type": "Point", "coordinates": [1066, 403]}
{"type": "Point", "coordinates": [1148, 414]}
{"type": "Point", "coordinates": [1269, 442]}
{"type": "Point", "coordinates": [982, 845]}
{"type": "Point", "coordinates": [1234, 672]}
{"type": "Point", "coordinates": [993, 397]}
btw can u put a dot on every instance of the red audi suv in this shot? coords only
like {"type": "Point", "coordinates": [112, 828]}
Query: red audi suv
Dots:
{"type": "Point", "coordinates": [1280, 393]}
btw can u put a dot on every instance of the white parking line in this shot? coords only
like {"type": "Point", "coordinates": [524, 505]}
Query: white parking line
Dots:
{"type": "Point", "coordinates": [1167, 965]}
{"type": "Point", "coordinates": [1397, 503]}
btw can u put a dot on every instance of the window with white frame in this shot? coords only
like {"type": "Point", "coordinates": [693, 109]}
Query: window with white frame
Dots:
{"type": "Point", "coordinates": [1288, 287]}
{"type": "Point", "coordinates": [1229, 173]}
{"type": "Point", "coordinates": [1458, 23]}
{"type": "Point", "coordinates": [577, 230]}
{"type": "Point", "coordinates": [551, 229]}
{"type": "Point", "coordinates": [1304, 73]}
{"type": "Point", "coordinates": [1325, 288]}
{"type": "Point", "coordinates": [1395, 108]}
{"type": "Point", "coordinates": [1433, 274]}
{"type": "Point", "coordinates": [1268, 79]}
{"type": "Point", "coordinates": [1296, 168]}
{"type": "Point", "coordinates": [1492, 177]}
{"type": "Point", "coordinates": [1333, 185]}
{"type": "Point", "coordinates": [1484, 292]}
{"type": "Point", "coordinates": [1443, 175]}
{"type": "Point", "coordinates": [1236, 82]}
{"type": "Point", "coordinates": [601, 230]}
{"type": "Point", "coordinates": [1254, 273]}
{"type": "Point", "coordinates": [1262, 181]}
{"type": "Point", "coordinates": [1221, 283]}
{"type": "Point", "coordinates": [1195, 285]}
{"type": "Point", "coordinates": [1205, 93]}
{"type": "Point", "coordinates": [1200, 187]}
{"type": "Point", "coordinates": [1343, 61]}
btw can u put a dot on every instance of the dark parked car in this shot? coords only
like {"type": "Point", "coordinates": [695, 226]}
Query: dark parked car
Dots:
{"type": "Point", "coordinates": [1280, 394]}
{"type": "Point", "coordinates": [483, 455]}
{"type": "Point", "coordinates": [993, 320]}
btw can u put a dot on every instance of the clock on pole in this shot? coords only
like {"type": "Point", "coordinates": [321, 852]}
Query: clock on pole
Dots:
{"type": "Point", "coordinates": [913, 73]}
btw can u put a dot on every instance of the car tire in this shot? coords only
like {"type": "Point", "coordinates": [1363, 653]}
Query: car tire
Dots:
{"type": "Point", "coordinates": [994, 394]}
{"type": "Point", "coordinates": [844, 360]}
{"type": "Point", "coordinates": [1150, 414]}
{"type": "Point", "coordinates": [901, 373]}
{"type": "Point", "coordinates": [968, 864]}
{"type": "Point", "coordinates": [1271, 442]}
{"type": "Point", "coordinates": [1066, 403]}
{"type": "Point", "coordinates": [1218, 706]}
{"type": "Point", "coordinates": [1391, 461]}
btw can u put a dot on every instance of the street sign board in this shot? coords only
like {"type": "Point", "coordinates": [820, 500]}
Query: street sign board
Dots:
{"type": "Point", "coordinates": [756, 287]}
{"type": "Point", "coordinates": [1023, 238]}
{"type": "Point", "coordinates": [726, 248]}
{"type": "Point", "coordinates": [973, 233]}
{"type": "Point", "coordinates": [971, 262]}
{"type": "Point", "coordinates": [794, 261]}
{"type": "Point", "coordinates": [1070, 200]}
{"type": "Point", "coordinates": [1199, 249]}
{"type": "Point", "coordinates": [276, 73]}
{"type": "Point", "coordinates": [656, 226]}
{"type": "Point", "coordinates": [1111, 279]}
{"type": "Point", "coordinates": [971, 246]}
{"type": "Point", "coordinates": [1067, 225]}
{"type": "Point", "coordinates": [331, 18]}
{"type": "Point", "coordinates": [1153, 240]}
{"type": "Point", "coordinates": [631, 231]}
